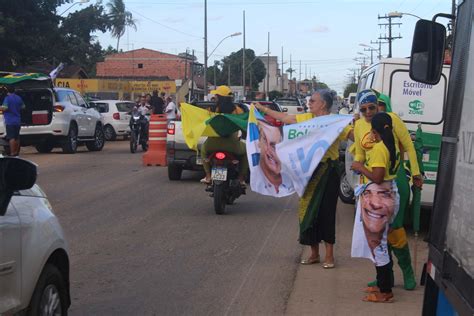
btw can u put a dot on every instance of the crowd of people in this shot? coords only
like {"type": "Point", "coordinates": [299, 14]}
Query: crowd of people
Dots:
{"type": "Point", "coordinates": [158, 104]}
{"type": "Point", "coordinates": [381, 140]}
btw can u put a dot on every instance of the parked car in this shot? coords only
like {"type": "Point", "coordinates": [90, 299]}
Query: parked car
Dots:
{"type": "Point", "coordinates": [291, 105]}
{"type": "Point", "coordinates": [34, 259]}
{"type": "Point", "coordinates": [56, 117]}
{"type": "Point", "coordinates": [115, 117]}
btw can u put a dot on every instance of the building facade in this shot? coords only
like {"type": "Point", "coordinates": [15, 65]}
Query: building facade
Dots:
{"type": "Point", "coordinates": [145, 63]}
{"type": "Point", "coordinates": [275, 78]}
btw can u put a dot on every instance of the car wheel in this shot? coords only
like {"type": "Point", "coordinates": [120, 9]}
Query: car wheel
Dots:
{"type": "Point", "coordinates": [109, 132]}
{"type": "Point", "coordinates": [174, 172]}
{"type": "Point", "coordinates": [44, 148]}
{"type": "Point", "coordinates": [50, 296]}
{"type": "Point", "coordinates": [346, 194]}
{"type": "Point", "coordinates": [70, 145]}
{"type": "Point", "coordinates": [99, 139]}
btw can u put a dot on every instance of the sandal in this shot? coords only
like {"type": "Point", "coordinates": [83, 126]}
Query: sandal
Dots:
{"type": "Point", "coordinates": [327, 265]}
{"type": "Point", "coordinates": [310, 261]}
{"type": "Point", "coordinates": [379, 298]}
{"type": "Point", "coordinates": [205, 181]}
{"type": "Point", "coordinates": [372, 289]}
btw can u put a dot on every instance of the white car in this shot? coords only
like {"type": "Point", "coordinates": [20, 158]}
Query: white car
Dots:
{"type": "Point", "coordinates": [291, 105]}
{"type": "Point", "coordinates": [56, 117]}
{"type": "Point", "coordinates": [34, 260]}
{"type": "Point", "coordinates": [115, 117]}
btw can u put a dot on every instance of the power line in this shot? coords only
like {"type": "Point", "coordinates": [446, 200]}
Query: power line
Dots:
{"type": "Point", "coordinates": [165, 26]}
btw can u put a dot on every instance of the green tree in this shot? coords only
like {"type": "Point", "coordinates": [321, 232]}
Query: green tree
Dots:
{"type": "Point", "coordinates": [351, 87]}
{"type": "Point", "coordinates": [28, 31]}
{"type": "Point", "coordinates": [79, 46]}
{"type": "Point", "coordinates": [120, 19]}
{"type": "Point", "coordinates": [254, 74]}
{"type": "Point", "coordinates": [274, 94]}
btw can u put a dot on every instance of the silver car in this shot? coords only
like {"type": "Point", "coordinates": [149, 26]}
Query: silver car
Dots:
{"type": "Point", "coordinates": [34, 261]}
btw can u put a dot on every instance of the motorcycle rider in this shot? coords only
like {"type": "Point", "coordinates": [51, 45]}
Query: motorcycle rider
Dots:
{"type": "Point", "coordinates": [144, 109]}
{"type": "Point", "coordinates": [231, 144]}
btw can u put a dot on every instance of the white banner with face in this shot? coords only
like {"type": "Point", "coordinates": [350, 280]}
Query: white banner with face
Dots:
{"type": "Point", "coordinates": [377, 207]}
{"type": "Point", "coordinates": [282, 160]}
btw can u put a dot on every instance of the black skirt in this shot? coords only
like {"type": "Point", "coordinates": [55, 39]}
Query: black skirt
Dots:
{"type": "Point", "coordinates": [324, 225]}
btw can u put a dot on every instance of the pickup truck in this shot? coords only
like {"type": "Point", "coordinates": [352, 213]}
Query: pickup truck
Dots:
{"type": "Point", "coordinates": [178, 155]}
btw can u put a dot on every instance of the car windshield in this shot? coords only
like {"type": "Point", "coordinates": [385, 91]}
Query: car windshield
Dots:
{"type": "Point", "coordinates": [285, 103]}
{"type": "Point", "coordinates": [125, 106]}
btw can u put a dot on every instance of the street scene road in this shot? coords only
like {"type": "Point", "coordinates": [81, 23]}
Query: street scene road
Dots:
{"type": "Point", "coordinates": [141, 244]}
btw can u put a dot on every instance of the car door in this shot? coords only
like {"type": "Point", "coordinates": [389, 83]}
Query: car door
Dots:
{"type": "Point", "coordinates": [89, 115]}
{"type": "Point", "coordinates": [78, 113]}
{"type": "Point", "coordinates": [10, 260]}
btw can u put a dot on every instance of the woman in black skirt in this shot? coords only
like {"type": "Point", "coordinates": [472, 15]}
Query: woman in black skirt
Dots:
{"type": "Point", "coordinates": [317, 206]}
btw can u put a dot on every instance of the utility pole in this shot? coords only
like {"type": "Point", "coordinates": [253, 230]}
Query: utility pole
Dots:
{"type": "Point", "coordinates": [190, 95]}
{"type": "Point", "coordinates": [282, 65]}
{"type": "Point", "coordinates": [268, 68]}
{"type": "Point", "coordinates": [380, 47]}
{"type": "Point", "coordinates": [389, 38]}
{"type": "Point", "coordinates": [243, 62]}
{"type": "Point", "coordinates": [371, 54]}
{"type": "Point", "coordinates": [205, 51]}
{"type": "Point", "coordinates": [186, 66]}
{"type": "Point", "coordinates": [228, 75]}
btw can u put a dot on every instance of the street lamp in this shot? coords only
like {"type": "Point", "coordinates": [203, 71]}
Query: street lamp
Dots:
{"type": "Point", "coordinates": [231, 35]}
{"type": "Point", "coordinates": [396, 14]}
{"type": "Point", "coordinates": [80, 2]}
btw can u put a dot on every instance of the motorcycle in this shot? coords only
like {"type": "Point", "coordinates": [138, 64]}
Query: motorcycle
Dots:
{"type": "Point", "coordinates": [138, 136]}
{"type": "Point", "coordinates": [225, 187]}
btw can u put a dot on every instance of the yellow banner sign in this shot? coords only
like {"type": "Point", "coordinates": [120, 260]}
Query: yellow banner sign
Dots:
{"type": "Point", "coordinates": [108, 85]}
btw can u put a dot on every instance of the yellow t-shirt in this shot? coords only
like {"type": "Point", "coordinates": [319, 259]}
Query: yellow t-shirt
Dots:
{"type": "Point", "coordinates": [333, 151]}
{"type": "Point", "coordinates": [364, 140]}
{"type": "Point", "coordinates": [379, 157]}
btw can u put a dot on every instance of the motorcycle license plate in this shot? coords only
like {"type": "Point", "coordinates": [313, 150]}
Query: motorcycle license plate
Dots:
{"type": "Point", "coordinates": [198, 161]}
{"type": "Point", "coordinates": [219, 173]}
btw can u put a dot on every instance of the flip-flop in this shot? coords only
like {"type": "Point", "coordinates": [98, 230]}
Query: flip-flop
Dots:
{"type": "Point", "coordinates": [310, 261]}
{"type": "Point", "coordinates": [379, 298]}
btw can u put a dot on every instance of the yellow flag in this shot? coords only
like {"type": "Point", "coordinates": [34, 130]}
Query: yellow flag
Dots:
{"type": "Point", "coordinates": [193, 120]}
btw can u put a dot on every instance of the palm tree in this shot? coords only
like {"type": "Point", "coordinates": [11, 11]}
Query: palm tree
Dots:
{"type": "Point", "coordinates": [119, 19]}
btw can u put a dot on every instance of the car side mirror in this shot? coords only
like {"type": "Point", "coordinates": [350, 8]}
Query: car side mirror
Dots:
{"type": "Point", "coordinates": [427, 52]}
{"type": "Point", "coordinates": [15, 174]}
{"type": "Point", "coordinates": [284, 110]}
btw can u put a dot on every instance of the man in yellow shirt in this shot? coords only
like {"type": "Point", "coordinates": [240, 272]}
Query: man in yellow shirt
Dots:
{"type": "Point", "coordinates": [364, 142]}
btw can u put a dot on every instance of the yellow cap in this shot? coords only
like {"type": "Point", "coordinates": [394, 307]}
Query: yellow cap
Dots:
{"type": "Point", "coordinates": [224, 91]}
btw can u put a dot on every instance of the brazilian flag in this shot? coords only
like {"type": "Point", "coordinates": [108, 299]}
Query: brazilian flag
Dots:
{"type": "Point", "coordinates": [12, 78]}
{"type": "Point", "coordinates": [197, 122]}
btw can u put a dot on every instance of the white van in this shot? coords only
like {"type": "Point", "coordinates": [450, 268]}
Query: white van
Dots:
{"type": "Point", "coordinates": [415, 103]}
{"type": "Point", "coordinates": [351, 100]}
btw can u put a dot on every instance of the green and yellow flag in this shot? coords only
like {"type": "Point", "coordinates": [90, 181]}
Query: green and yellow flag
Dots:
{"type": "Point", "coordinates": [13, 78]}
{"type": "Point", "coordinates": [197, 122]}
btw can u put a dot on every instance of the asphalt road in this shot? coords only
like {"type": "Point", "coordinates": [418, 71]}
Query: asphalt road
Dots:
{"type": "Point", "coordinates": [141, 244]}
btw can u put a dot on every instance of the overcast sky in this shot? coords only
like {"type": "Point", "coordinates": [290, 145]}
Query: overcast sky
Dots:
{"type": "Point", "coordinates": [324, 35]}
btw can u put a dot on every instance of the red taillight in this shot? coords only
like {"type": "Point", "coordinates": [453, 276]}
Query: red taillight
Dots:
{"type": "Point", "coordinates": [220, 155]}
{"type": "Point", "coordinates": [116, 116]}
{"type": "Point", "coordinates": [58, 108]}
{"type": "Point", "coordinates": [171, 128]}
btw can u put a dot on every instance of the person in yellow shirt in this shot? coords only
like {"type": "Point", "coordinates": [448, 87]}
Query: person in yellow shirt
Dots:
{"type": "Point", "coordinates": [364, 141]}
{"type": "Point", "coordinates": [318, 204]}
{"type": "Point", "coordinates": [377, 205]}
{"type": "Point", "coordinates": [231, 143]}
